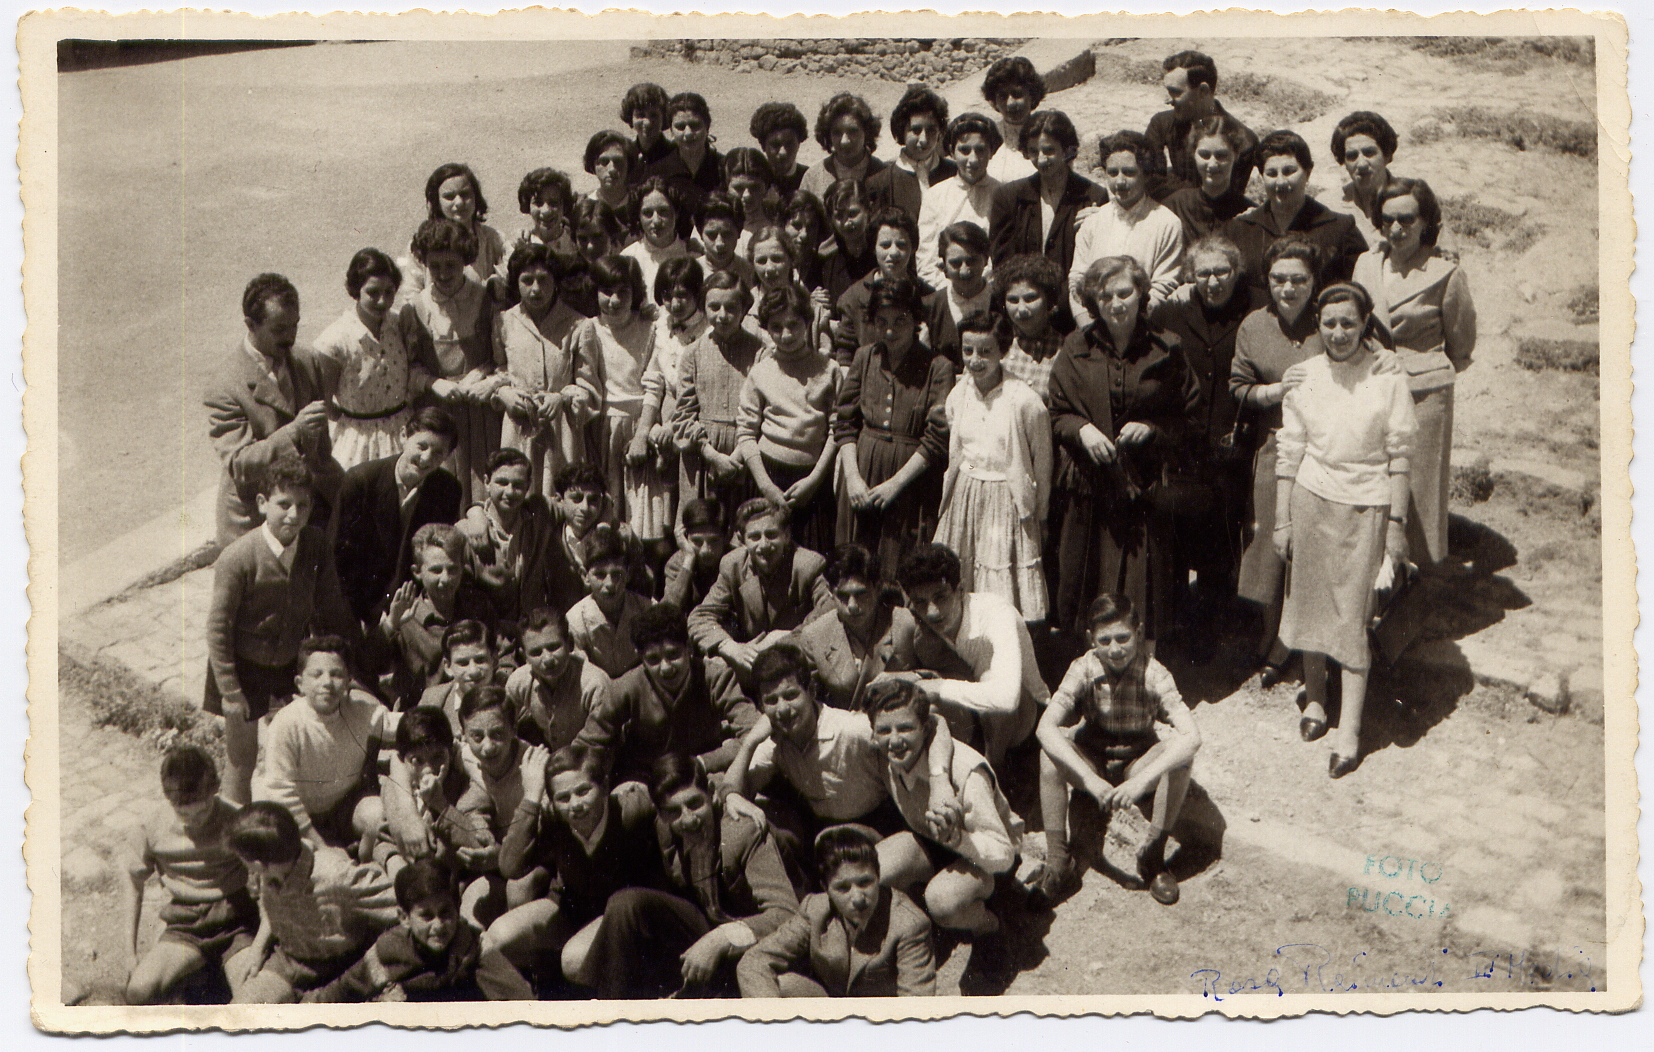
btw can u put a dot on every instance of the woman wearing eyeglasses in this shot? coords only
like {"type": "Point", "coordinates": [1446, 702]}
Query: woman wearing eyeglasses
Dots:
{"type": "Point", "coordinates": [1268, 344]}
{"type": "Point", "coordinates": [1421, 297]}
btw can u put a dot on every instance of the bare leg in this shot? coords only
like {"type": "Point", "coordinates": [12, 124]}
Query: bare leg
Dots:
{"type": "Point", "coordinates": [240, 756]}
{"type": "Point", "coordinates": [160, 969]}
{"type": "Point", "coordinates": [1053, 805]}
{"type": "Point", "coordinates": [902, 862]}
{"type": "Point", "coordinates": [1349, 721]}
{"type": "Point", "coordinates": [957, 898]}
{"type": "Point", "coordinates": [577, 955]}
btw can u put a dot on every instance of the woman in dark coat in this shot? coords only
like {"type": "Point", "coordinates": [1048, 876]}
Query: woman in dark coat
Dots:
{"type": "Point", "coordinates": [1015, 219]}
{"type": "Point", "coordinates": [1121, 400]}
{"type": "Point", "coordinates": [1285, 164]}
{"type": "Point", "coordinates": [1215, 471]}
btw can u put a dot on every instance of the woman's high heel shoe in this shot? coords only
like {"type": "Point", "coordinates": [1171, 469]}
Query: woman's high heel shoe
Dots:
{"type": "Point", "coordinates": [1271, 675]}
{"type": "Point", "coordinates": [1338, 766]}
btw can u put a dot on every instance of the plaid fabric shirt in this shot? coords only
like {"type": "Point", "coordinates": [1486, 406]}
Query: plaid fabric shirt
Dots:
{"type": "Point", "coordinates": [1035, 372]}
{"type": "Point", "coordinates": [1126, 704]}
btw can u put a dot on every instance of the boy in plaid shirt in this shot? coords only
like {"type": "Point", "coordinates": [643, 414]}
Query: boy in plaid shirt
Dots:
{"type": "Point", "coordinates": [1099, 734]}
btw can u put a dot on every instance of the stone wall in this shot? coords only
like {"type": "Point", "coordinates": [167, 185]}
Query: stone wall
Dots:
{"type": "Point", "coordinates": [906, 61]}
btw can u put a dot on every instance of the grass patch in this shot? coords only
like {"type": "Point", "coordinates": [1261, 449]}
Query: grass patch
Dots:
{"type": "Point", "coordinates": [1524, 131]}
{"type": "Point", "coordinates": [1584, 305]}
{"type": "Point", "coordinates": [1471, 484]}
{"type": "Point", "coordinates": [1119, 69]}
{"type": "Point", "coordinates": [1471, 221]}
{"type": "Point", "coordinates": [1542, 354]}
{"type": "Point", "coordinates": [1510, 54]}
{"type": "Point", "coordinates": [1281, 102]}
{"type": "Point", "coordinates": [121, 700]}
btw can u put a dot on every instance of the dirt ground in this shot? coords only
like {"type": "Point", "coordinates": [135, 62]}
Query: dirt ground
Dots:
{"type": "Point", "coordinates": [279, 162]}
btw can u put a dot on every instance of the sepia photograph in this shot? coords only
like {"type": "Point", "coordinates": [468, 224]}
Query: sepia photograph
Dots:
{"type": "Point", "coordinates": [1108, 515]}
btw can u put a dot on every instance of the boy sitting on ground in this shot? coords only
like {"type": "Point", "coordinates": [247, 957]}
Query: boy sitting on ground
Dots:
{"type": "Point", "coordinates": [1098, 735]}
{"type": "Point", "coordinates": [321, 760]}
{"type": "Point", "coordinates": [556, 688]}
{"type": "Point", "coordinates": [600, 625]}
{"type": "Point", "coordinates": [210, 915]}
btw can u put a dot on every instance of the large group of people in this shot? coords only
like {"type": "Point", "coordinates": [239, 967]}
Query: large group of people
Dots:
{"type": "Point", "coordinates": [693, 555]}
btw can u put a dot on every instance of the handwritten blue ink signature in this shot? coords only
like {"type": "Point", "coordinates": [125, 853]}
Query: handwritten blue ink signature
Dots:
{"type": "Point", "coordinates": [1305, 967]}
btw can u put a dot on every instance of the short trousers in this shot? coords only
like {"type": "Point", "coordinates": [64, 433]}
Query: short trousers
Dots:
{"type": "Point", "coordinates": [307, 975]}
{"type": "Point", "coordinates": [1113, 753]}
{"type": "Point", "coordinates": [218, 929]}
{"type": "Point", "coordinates": [335, 825]}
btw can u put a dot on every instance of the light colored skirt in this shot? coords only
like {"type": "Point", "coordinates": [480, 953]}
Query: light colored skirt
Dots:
{"type": "Point", "coordinates": [998, 551]}
{"type": "Point", "coordinates": [359, 441]}
{"type": "Point", "coordinates": [1336, 552]}
{"type": "Point", "coordinates": [646, 496]}
{"type": "Point", "coordinates": [1430, 472]}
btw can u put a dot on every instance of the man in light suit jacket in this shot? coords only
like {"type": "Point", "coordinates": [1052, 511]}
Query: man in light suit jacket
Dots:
{"type": "Point", "coordinates": [270, 399]}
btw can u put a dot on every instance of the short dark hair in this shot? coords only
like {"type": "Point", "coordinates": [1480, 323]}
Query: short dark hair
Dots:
{"type": "Point", "coordinates": [1346, 292]}
{"type": "Point", "coordinates": [660, 623]}
{"type": "Point", "coordinates": [701, 513]}
{"type": "Point", "coordinates": [543, 617]}
{"type": "Point", "coordinates": [776, 303]}
{"type": "Point", "coordinates": [1054, 123]}
{"type": "Point", "coordinates": [604, 544]}
{"type": "Point", "coordinates": [725, 280]}
{"type": "Point", "coordinates": [264, 832]}
{"type": "Point", "coordinates": [370, 263]}
{"type": "Point", "coordinates": [644, 96]}
{"type": "Point", "coordinates": [772, 117]}
{"type": "Point", "coordinates": [929, 564]}
{"type": "Point", "coordinates": [582, 475]}
{"type": "Point", "coordinates": [286, 472]}
{"type": "Point", "coordinates": [888, 695]}
{"type": "Point", "coordinates": [994, 322]}
{"type": "Point", "coordinates": [1283, 143]}
{"type": "Point", "coordinates": [1149, 159]}
{"type": "Point", "coordinates": [535, 185]}
{"type": "Point", "coordinates": [576, 756]}
{"type": "Point", "coordinates": [444, 235]}
{"type": "Point", "coordinates": [845, 845]}
{"type": "Point", "coordinates": [600, 143]}
{"type": "Point", "coordinates": [803, 203]}
{"type": "Point", "coordinates": [1102, 271]}
{"type": "Point", "coordinates": [845, 104]}
{"type": "Point", "coordinates": [589, 211]}
{"type": "Point", "coordinates": [505, 456]}
{"type": "Point", "coordinates": [526, 256]}
{"type": "Point", "coordinates": [189, 769]}
{"type": "Point", "coordinates": [843, 192]}
{"type": "Point", "coordinates": [681, 272]}
{"type": "Point", "coordinates": [1109, 608]}
{"type": "Point", "coordinates": [972, 124]}
{"type": "Point", "coordinates": [964, 233]}
{"type": "Point", "coordinates": [613, 273]}
{"type": "Point", "coordinates": [688, 102]}
{"type": "Point", "coordinates": [1015, 71]}
{"type": "Point", "coordinates": [902, 295]}
{"type": "Point", "coordinates": [436, 420]}
{"type": "Point", "coordinates": [1294, 246]}
{"type": "Point", "coordinates": [674, 772]}
{"type": "Point", "coordinates": [466, 633]}
{"type": "Point", "coordinates": [424, 727]}
{"type": "Point", "coordinates": [1430, 209]}
{"type": "Point", "coordinates": [758, 508]}
{"type": "Point", "coordinates": [748, 162]}
{"type": "Point", "coordinates": [338, 646]}
{"type": "Point", "coordinates": [719, 205]}
{"type": "Point", "coordinates": [1202, 70]}
{"type": "Point", "coordinates": [480, 698]}
{"type": "Point", "coordinates": [453, 169]}
{"type": "Point", "coordinates": [899, 219]}
{"type": "Point", "coordinates": [850, 560]}
{"type": "Point", "coordinates": [1040, 271]}
{"type": "Point", "coordinates": [655, 184]}
{"type": "Point", "coordinates": [261, 290]}
{"type": "Point", "coordinates": [422, 881]}
{"type": "Point", "coordinates": [782, 661]}
{"type": "Point", "coordinates": [916, 100]}
{"type": "Point", "coordinates": [1368, 123]}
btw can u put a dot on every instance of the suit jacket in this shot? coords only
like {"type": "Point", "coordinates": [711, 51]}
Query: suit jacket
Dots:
{"type": "Point", "coordinates": [1334, 233]}
{"type": "Point", "coordinates": [895, 185]}
{"type": "Point", "coordinates": [261, 612]}
{"type": "Point", "coordinates": [743, 605]}
{"type": "Point", "coordinates": [370, 543]}
{"type": "Point", "coordinates": [250, 421]}
{"type": "Point", "coordinates": [1014, 219]}
{"type": "Point", "coordinates": [636, 723]}
{"type": "Point", "coordinates": [892, 956]}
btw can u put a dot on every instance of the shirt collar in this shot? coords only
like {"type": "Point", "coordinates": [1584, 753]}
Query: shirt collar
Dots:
{"type": "Point", "coordinates": [1136, 212]}
{"type": "Point", "coordinates": [282, 552]}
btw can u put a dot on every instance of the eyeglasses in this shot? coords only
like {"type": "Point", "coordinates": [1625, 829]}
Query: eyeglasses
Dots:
{"type": "Point", "coordinates": [1295, 280]}
{"type": "Point", "coordinates": [1390, 220]}
{"type": "Point", "coordinates": [1219, 272]}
